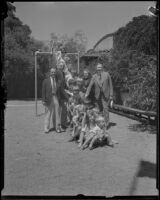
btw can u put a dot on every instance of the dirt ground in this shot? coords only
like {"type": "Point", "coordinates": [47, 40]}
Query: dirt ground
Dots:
{"type": "Point", "coordinates": [47, 164]}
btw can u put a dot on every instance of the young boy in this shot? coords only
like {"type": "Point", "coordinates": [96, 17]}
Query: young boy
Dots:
{"type": "Point", "coordinates": [77, 119]}
{"type": "Point", "coordinates": [70, 110]}
{"type": "Point", "coordinates": [73, 101]}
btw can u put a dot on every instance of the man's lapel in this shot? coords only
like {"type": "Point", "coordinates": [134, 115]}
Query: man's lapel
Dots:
{"type": "Point", "coordinates": [98, 80]}
{"type": "Point", "coordinates": [102, 77]}
{"type": "Point", "coordinates": [49, 82]}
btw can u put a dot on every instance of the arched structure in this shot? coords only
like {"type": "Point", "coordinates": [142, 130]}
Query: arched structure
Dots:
{"type": "Point", "coordinates": [105, 43]}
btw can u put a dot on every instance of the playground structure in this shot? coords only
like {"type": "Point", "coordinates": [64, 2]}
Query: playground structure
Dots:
{"type": "Point", "coordinates": [137, 114]}
{"type": "Point", "coordinates": [58, 57]}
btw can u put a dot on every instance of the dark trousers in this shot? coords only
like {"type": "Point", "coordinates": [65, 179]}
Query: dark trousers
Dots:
{"type": "Point", "coordinates": [63, 113]}
{"type": "Point", "coordinates": [103, 105]}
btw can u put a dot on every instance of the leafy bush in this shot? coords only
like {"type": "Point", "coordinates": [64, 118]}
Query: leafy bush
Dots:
{"type": "Point", "coordinates": [136, 73]}
{"type": "Point", "coordinates": [19, 49]}
{"type": "Point", "coordinates": [132, 63]}
{"type": "Point", "coordinates": [140, 34]}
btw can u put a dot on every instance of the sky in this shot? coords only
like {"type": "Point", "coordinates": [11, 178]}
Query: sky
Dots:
{"type": "Point", "coordinates": [96, 19]}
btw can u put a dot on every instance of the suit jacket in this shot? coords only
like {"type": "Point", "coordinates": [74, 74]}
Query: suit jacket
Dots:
{"type": "Point", "coordinates": [86, 82]}
{"type": "Point", "coordinates": [104, 85]}
{"type": "Point", "coordinates": [47, 91]}
{"type": "Point", "coordinates": [61, 86]}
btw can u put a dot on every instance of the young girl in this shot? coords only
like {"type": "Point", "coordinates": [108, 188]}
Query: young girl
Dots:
{"type": "Point", "coordinates": [102, 136]}
{"type": "Point", "coordinates": [89, 130]}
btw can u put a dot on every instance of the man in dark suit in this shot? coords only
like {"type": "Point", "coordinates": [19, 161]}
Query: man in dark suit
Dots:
{"type": "Point", "coordinates": [103, 90]}
{"type": "Point", "coordinates": [50, 100]}
{"type": "Point", "coordinates": [62, 95]}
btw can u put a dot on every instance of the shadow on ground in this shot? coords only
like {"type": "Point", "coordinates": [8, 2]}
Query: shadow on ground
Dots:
{"type": "Point", "coordinates": [143, 127]}
{"type": "Point", "coordinates": [39, 115]}
{"type": "Point", "coordinates": [145, 169]}
{"type": "Point", "coordinates": [111, 124]}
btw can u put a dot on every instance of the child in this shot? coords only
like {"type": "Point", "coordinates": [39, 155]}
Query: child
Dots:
{"type": "Point", "coordinates": [88, 132]}
{"type": "Point", "coordinates": [89, 111]}
{"type": "Point", "coordinates": [73, 101]}
{"type": "Point", "coordinates": [102, 136]}
{"type": "Point", "coordinates": [70, 109]}
{"type": "Point", "coordinates": [84, 129]}
{"type": "Point", "coordinates": [78, 114]}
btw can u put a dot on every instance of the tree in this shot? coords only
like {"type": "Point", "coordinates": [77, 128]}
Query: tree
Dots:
{"type": "Point", "coordinates": [140, 34]}
{"type": "Point", "coordinates": [81, 41]}
{"type": "Point", "coordinates": [136, 73]}
{"type": "Point", "coordinates": [132, 62]}
{"type": "Point", "coordinates": [73, 44]}
{"type": "Point", "coordinates": [134, 55]}
{"type": "Point", "coordinates": [19, 50]}
{"type": "Point", "coordinates": [141, 82]}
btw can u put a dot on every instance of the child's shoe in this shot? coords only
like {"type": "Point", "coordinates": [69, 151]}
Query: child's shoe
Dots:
{"type": "Point", "coordinates": [90, 147]}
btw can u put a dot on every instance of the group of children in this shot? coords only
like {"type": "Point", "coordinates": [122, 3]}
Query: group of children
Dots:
{"type": "Point", "coordinates": [87, 123]}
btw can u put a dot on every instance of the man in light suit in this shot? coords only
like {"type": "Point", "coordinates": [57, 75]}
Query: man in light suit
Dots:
{"type": "Point", "coordinates": [103, 90]}
{"type": "Point", "coordinates": [50, 100]}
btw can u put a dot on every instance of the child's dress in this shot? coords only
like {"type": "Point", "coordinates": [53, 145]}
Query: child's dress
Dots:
{"type": "Point", "coordinates": [92, 131]}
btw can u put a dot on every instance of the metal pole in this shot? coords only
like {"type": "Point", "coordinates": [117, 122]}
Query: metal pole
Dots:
{"type": "Point", "coordinates": [36, 82]}
{"type": "Point", "coordinates": [78, 63]}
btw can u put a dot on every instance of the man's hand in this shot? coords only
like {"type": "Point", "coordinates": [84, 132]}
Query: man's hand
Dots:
{"type": "Point", "coordinates": [68, 92]}
{"type": "Point", "coordinates": [111, 103]}
{"type": "Point", "coordinates": [85, 96]}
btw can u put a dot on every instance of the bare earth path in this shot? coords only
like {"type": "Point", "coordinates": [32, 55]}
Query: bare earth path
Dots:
{"type": "Point", "coordinates": [47, 164]}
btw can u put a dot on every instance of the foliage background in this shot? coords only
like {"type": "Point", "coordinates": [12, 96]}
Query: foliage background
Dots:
{"type": "Point", "coordinates": [132, 62]}
{"type": "Point", "coordinates": [19, 49]}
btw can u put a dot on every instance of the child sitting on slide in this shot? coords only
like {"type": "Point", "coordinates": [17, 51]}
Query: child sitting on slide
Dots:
{"type": "Point", "coordinates": [102, 136]}
{"type": "Point", "coordinates": [95, 133]}
{"type": "Point", "coordinates": [89, 130]}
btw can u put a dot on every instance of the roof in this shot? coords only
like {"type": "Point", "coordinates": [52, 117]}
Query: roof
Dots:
{"type": "Point", "coordinates": [96, 55]}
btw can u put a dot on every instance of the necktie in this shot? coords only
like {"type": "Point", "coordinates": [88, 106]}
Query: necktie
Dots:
{"type": "Point", "coordinates": [100, 82]}
{"type": "Point", "coordinates": [53, 85]}
{"type": "Point", "coordinates": [100, 79]}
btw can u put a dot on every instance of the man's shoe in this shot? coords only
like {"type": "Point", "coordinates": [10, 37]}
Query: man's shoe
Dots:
{"type": "Point", "coordinates": [52, 129]}
{"type": "Point", "coordinates": [62, 129]}
{"type": "Point", "coordinates": [47, 131]}
{"type": "Point", "coordinates": [71, 139]}
{"type": "Point", "coordinates": [58, 130]}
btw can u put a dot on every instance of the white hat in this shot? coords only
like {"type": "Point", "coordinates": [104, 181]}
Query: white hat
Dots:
{"type": "Point", "coordinates": [99, 66]}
